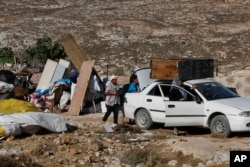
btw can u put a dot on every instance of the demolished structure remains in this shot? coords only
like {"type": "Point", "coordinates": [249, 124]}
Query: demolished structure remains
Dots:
{"type": "Point", "coordinates": [70, 87]}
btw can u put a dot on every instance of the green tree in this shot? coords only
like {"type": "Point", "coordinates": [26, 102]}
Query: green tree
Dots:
{"type": "Point", "coordinates": [57, 52]}
{"type": "Point", "coordinates": [6, 55]}
{"type": "Point", "coordinates": [45, 48]}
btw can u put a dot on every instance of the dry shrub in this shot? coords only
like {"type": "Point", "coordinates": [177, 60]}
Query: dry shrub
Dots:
{"type": "Point", "coordinates": [218, 136]}
{"type": "Point", "coordinates": [159, 136]}
{"type": "Point", "coordinates": [43, 147]}
{"type": "Point", "coordinates": [136, 156]}
{"type": "Point", "coordinates": [17, 161]}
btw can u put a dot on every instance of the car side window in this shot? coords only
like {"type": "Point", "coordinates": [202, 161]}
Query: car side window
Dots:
{"type": "Point", "coordinates": [190, 97]}
{"type": "Point", "coordinates": [178, 93]}
{"type": "Point", "coordinates": [155, 91]}
{"type": "Point", "coordinates": [191, 94]}
{"type": "Point", "coordinates": [165, 89]}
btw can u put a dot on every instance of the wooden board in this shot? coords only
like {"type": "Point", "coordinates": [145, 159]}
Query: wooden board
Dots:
{"type": "Point", "coordinates": [47, 74]}
{"type": "Point", "coordinates": [73, 51]}
{"type": "Point", "coordinates": [81, 87]}
{"type": "Point", "coordinates": [164, 69]}
{"type": "Point", "coordinates": [167, 69]}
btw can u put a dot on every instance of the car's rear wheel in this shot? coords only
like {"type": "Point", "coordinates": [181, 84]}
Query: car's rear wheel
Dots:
{"type": "Point", "coordinates": [220, 125]}
{"type": "Point", "coordinates": [143, 119]}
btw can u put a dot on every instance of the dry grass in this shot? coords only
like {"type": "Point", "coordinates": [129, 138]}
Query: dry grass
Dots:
{"type": "Point", "coordinates": [218, 136]}
{"type": "Point", "coordinates": [17, 161]}
{"type": "Point", "coordinates": [160, 136]}
{"type": "Point", "coordinates": [137, 156]}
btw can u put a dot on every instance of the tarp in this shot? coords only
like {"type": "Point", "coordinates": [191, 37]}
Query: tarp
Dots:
{"type": "Point", "coordinates": [30, 123]}
{"type": "Point", "coordinates": [18, 116]}
{"type": "Point", "coordinates": [9, 106]}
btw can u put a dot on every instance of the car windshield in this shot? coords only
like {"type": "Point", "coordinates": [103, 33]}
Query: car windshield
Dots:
{"type": "Point", "coordinates": [214, 90]}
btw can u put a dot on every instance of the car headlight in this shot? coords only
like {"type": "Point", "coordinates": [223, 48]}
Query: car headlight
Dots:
{"type": "Point", "coordinates": [245, 114]}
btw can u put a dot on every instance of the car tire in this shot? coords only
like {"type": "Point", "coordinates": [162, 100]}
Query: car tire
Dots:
{"type": "Point", "coordinates": [220, 125]}
{"type": "Point", "coordinates": [143, 119]}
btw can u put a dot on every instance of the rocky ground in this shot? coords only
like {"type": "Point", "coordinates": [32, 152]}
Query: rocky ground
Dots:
{"type": "Point", "coordinates": [89, 144]}
{"type": "Point", "coordinates": [119, 33]}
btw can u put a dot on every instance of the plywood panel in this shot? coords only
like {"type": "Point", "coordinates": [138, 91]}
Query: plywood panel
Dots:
{"type": "Point", "coordinates": [47, 74]}
{"type": "Point", "coordinates": [59, 73]}
{"type": "Point", "coordinates": [81, 87]}
{"type": "Point", "coordinates": [167, 69]}
{"type": "Point", "coordinates": [73, 51]}
{"type": "Point", "coordinates": [164, 69]}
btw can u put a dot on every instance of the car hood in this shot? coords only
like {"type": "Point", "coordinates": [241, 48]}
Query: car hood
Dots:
{"type": "Point", "coordinates": [237, 102]}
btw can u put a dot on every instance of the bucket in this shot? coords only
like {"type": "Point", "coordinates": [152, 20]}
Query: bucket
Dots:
{"type": "Point", "coordinates": [103, 107]}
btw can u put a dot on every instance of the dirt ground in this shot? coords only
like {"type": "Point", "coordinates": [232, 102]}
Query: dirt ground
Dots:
{"type": "Point", "coordinates": [119, 33]}
{"type": "Point", "coordinates": [88, 144]}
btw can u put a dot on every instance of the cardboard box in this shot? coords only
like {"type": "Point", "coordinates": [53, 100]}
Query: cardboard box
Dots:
{"type": "Point", "coordinates": [167, 69]}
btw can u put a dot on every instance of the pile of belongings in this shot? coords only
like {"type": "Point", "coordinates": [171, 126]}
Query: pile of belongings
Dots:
{"type": "Point", "coordinates": [6, 87]}
{"type": "Point", "coordinates": [7, 79]}
{"type": "Point", "coordinates": [56, 96]}
{"type": "Point", "coordinates": [58, 91]}
{"type": "Point", "coordinates": [18, 116]}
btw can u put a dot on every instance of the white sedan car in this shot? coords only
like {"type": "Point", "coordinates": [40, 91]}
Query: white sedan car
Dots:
{"type": "Point", "coordinates": [210, 105]}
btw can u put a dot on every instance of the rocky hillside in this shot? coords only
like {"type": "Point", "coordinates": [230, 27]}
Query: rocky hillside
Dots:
{"type": "Point", "coordinates": [120, 33]}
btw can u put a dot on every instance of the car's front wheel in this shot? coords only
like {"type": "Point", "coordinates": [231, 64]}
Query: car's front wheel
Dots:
{"type": "Point", "coordinates": [220, 125]}
{"type": "Point", "coordinates": [143, 119]}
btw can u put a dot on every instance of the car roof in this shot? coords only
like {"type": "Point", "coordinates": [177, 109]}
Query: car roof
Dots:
{"type": "Point", "coordinates": [197, 81]}
{"type": "Point", "coordinates": [193, 81]}
{"type": "Point", "coordinates": [188, 82]}
{"type": "Point", "coordinates": [145, 80]}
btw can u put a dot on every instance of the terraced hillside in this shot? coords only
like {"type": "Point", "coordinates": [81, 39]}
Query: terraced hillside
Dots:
{"type": "Point", "coordinates": [120, 33]}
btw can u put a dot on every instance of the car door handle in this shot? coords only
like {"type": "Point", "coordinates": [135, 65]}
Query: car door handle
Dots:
{"type": "Point", "coordinates": [149, 100]}
{"type": "Point", "coordinates": [171, 106]}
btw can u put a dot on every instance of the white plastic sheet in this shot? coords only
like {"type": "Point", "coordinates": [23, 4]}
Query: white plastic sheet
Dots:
{"type": "Point", "coordinates": [5, 87]}
{"type": "Point", "coordinates": [31, 122]}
